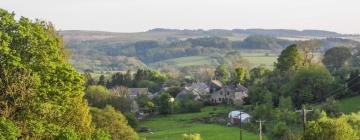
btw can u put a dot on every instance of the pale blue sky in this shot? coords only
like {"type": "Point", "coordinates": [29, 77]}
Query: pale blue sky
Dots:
{"type": "Point", "coordinates": [140, 15]}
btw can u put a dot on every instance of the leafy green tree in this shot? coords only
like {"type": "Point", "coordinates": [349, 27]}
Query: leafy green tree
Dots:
{"type": "Point", "coordinates": [258, 74]}
{"type": "Point", "coordinates": [113, 122]}
{"type": "Point", "coordinates": [48, 90]}
{"type": "Point", "coordinates": [336, 58]}
{"type": "Point", "coordinates": [241, 76]}
{"type": "Point", "coordinates": [166, 104]}
{"type": "Point", "coordinates": [97, 96]}
{"type": "Point", "coordinates": [279, 130]}
{"type": "Point", "coordinates": [354, 81]}
{"type": "Point", "coordinates": [102, 80]}
{"type": "Point", "coordinates": [289, 59]}
{"type": "Point", "coordinates": [222, 73]}
{"type": "Point", "coordinates": [8, 130]}
{"type": "Point", "coordinates": [330, 129]}
{"type": "Point", "coordinates": [101, 134]}
{"type": "Point", "coordinates": [331, 107]}
{"type": "Point", "coordinates": [355, 59]}
{"type": "Point", "coordinates": [311, 84]}
{"type": "Point", "coordinates": [354, 121]}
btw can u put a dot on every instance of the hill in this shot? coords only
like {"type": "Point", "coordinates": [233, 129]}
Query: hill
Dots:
{"type": "Point", "coordinates": [110, 51]}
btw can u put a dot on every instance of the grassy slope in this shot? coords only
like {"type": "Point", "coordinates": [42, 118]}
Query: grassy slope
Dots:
{"type": "Point", "coordinates": [188, 61]}
{"type": "Point", "coordinates": [255, 59]}
{"type": "Point", "coordinates": [172, 127]}
{"type": "Point", "coordinates": [349, 105]}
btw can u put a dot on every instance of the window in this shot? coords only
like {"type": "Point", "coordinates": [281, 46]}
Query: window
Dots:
{"type": "Point", "coordinates": [220, 99]}
{"type": "Point", "coordinates": [228, 93]}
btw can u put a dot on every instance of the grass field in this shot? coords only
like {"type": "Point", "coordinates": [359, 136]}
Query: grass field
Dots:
{"type": "Point", "coordinates": [260, 59]}
{"type": "Point", "coordinates": [188, 61]}
{"type": "Point", "coordinates": [172, 127]}
{"type": "Point", "coordinates": [349, 105]}
{"type": "Point", "coordinates": [255, 59]}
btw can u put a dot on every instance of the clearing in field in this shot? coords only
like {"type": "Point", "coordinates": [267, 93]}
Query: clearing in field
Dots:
{"type": "Point", "coordinates": [172, 127]}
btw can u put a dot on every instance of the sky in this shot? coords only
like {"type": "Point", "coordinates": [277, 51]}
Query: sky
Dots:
{"type": "Point", "coordinates": [342, 16]}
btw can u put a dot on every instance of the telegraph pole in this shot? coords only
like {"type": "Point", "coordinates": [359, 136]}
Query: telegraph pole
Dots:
{"type": "Point", "coordinates": [260, 129]}
{"type": "Point", "coordinates": [304, 111]}
{"type": "Point", "coordinates": [240, 125]}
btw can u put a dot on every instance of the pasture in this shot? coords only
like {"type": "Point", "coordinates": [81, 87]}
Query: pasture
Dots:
{"type": "Point", "coordinates": [349, 105]}
{"type": "Point", "coordinates": [172, 127]}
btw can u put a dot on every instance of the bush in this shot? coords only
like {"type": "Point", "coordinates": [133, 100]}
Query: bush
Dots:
{"type": "Point", "coordinates": [192, 137]}
{"type": "Point", "coordinates": [132, 120]}
{"type": "Point", "coordinates": [8, 130]}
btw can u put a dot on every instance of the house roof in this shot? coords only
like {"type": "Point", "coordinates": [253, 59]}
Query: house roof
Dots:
{"type": "Point", "coordinates": [137, 91]}
{"type": "Point", "coordinates": [236, 88]}
{"type": "Point", "coordinates": [217, 83]}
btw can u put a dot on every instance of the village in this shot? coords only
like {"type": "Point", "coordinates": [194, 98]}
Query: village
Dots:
{"type": "Point", "coordinates": [213, 92]}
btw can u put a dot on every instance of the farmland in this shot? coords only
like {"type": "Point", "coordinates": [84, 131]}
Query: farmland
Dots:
{"type": "Point", "coordinates": [172, 127]}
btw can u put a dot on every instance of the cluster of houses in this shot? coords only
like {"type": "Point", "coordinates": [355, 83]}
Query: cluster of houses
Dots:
{"type": "Point", "coordinates": [214, 92]}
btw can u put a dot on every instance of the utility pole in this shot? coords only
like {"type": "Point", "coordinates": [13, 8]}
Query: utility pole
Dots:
{"type": "Point", "coordinates": [240, 125]}
{"type": "Point", "coordinates": [304, 111]}
{"type": "Point", "coordinates": [260, 128]}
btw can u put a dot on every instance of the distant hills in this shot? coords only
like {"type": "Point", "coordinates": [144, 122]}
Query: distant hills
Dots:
{"type": "Point", "coordinates": [112, 51]}
{"type": "Point", "coordinates": [269, 32]}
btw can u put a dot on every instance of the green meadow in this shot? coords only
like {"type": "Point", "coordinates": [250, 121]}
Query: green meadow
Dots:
{"type": "Point", "coordinates": [172, 127]}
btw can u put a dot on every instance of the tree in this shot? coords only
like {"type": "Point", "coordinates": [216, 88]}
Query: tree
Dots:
{"type": "Point", "coordinates": [46, 98]}
{"type": "Point", "coordinates": [331, 107]}
{"type": "Point", "coordinates": [355, 59]}
{"type": "Point", "coordinates": [97, 96]}
{"type": "Point", "coordinates": [166, 104]}
{"type": "Point", "coordinates": [241, 75]}
{"type": "Point", "coordinates": [289, 59]}
{"type": "Point", "coordinates": [309, 48]}
{"type": "Point", "coordinates": [222, 73]}
{"type": "Point", "coordinates": [312, 84]}
{"type": "Point", "coordinates": [8, 130]}
{"type": "Point", "coordinates": [354, 81]}
{"type": "Point", "coordinates": [258, 74]}
{"type": "Point", "coordinates": [336, 58]}
{"type": "Point", "coordinates": [113, 122]}
{"type": "Point", "coordinates": [102, 80]}
{"type": "Point", "coordinates": [330, 129]}
{"type": "Point", "coordinates": [101, 134]}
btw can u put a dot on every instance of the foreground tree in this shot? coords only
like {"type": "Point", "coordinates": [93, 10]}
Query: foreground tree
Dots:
{"type": "Point", "coordinates": [39, 91]}
{"type": "Point", "coordinates": [114, 122]}
{"type": "Point", "coordinates": [330, 129]}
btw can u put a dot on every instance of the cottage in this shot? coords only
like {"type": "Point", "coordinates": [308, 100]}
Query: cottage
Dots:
{"type": "Point", "coordinates": [197, 90]}
{"type": "Point", "coordinates": [229, 94]}
{"type": "Point", "coordinates": [136, 92]}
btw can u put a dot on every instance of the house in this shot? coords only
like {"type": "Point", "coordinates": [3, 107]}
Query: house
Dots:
{"type": "Point", "coordinates": [198, 90]}
{"type": "Point", "coordinates": [136, 92]}
{"type": "Point", "coordinates": [235, 117]}
{"type": "Point", "coordinates": [229, 94]}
